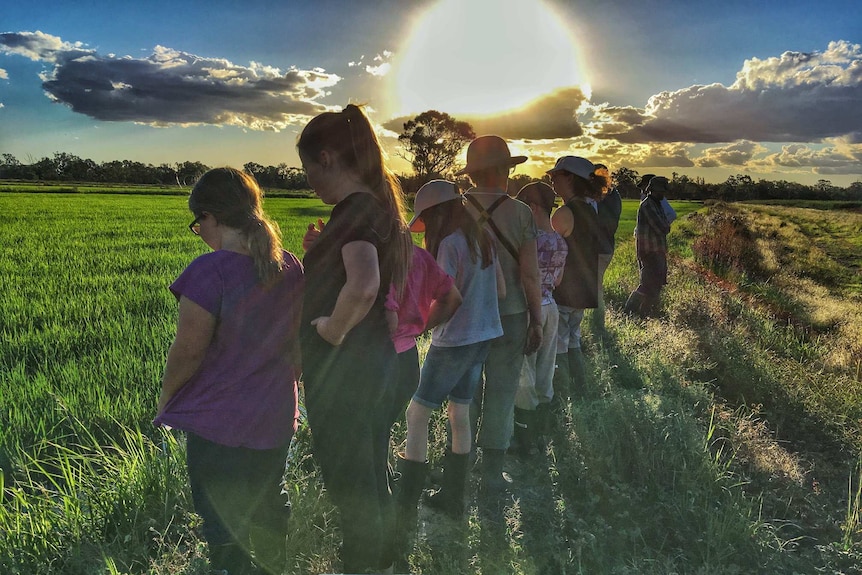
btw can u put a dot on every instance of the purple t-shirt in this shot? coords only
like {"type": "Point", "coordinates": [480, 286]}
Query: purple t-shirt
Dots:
{"type": "Point", "coordinates": [245, 392]}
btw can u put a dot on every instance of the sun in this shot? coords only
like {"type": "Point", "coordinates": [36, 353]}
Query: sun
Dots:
{"type": "Point", "coordinates": [481, 57]}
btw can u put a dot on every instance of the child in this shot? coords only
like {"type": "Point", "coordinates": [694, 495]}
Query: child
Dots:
{"type": "Point", "coordinates": [458, 349]}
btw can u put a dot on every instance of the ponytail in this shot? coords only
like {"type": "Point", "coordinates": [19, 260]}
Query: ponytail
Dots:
{"type": "Point", "coordinates": [234, 199]}
{"type": "Point", "coordinates": [350, 135]}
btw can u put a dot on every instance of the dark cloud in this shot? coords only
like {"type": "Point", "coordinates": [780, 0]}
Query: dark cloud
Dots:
{"type": "Point", "coordinates": [552, 116]}
{"type": "Point", "coordinates": [737, 154]}
{"type": "Point", "coordinates": [172, 87]}
{"type": "Point", "coordinates": [792, 98]}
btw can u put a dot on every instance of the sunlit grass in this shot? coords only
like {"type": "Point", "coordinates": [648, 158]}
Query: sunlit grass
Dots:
{"type": "Point", "coordinates": [696, 451]}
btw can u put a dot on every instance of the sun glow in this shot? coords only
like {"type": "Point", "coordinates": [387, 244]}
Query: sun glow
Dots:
{"type": "Point", "coordinates": [481, 57]}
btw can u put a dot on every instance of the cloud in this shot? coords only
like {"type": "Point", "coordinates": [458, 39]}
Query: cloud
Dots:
{"type": "Point", "coordinates": [4, 75]}
{"type": "Point", "coordinates": [796, 97]}
{"type": "Point", "coordinates": [841, 156]}
{"type": "Point", "coordinates": [737, 154]}
{"type": "Point", "coordinates": [381, 66]}
{"type": "Point", "coordinates": [171, 87]}
{"type": "Point", "coordinates": [551, 116]}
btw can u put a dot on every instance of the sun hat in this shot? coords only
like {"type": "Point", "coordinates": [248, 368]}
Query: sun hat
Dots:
{"type": "Point", "coordinates": [488, 152]}
{"type": "Point", "coordinates": [429, 195]}
{"type": "Point", "coordinates": [538, 193]}
{"type": "Point", "coordinates": [645, 181]}
{"type": "Point", "coordinates": [657, 184]}
{"type": "Point", "coordinates": [574, 165]}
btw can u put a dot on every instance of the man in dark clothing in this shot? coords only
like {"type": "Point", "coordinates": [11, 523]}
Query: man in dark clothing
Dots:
{"type": "Point", "coordinates": [651, 237]}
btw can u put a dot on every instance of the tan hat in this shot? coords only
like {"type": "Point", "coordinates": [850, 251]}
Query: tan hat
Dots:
{"type": "Point", "coordinates": [488, 152]}
{"type": "Point", "coordinates": [429, 195]}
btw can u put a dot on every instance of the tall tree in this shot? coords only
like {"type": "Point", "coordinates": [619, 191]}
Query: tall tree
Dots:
{"type": "Point", "coordinates": [432, 140]}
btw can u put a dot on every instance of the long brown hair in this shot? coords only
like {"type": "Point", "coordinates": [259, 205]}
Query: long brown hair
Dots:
{"type": "Point", "coordinates": [444, 219]}
{"type": "Point", "coordinates": [234, 199]}
{"type": "Point", "coordinates": [350, 135]}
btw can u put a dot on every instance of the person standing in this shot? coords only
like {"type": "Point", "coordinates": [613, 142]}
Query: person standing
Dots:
{"type": "Point", "coordinates": [230, 379]}
{"type": "Point", "coordinates": [349, 360]}
{"type": "Point", "coordinates": [668, 210]}
{"type": "Point", "coordinates": [610, 209]}
{"type": "Point", "coordinates": [536, 388]}
{"type": "Point", "coordinates": [458, 350]}
{"type": "Point", "coordinates": [511, 224]}
{"type": "Point", "coordinates": [651, 243]}
{"type": "Point", "coordinates": [576, 182]}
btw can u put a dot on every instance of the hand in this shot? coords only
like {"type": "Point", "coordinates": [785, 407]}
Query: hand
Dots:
{"type": "Point", "coordinates": [326, 331]}
{"type": "Point", "coordinates": [534, 338]}
{"type": "Point", "coordinates": [311, 234]}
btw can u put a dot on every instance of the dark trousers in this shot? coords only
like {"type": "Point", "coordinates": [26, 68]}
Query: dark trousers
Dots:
{"type": "Point", "coordinates": [237, 491]}
{"type": "Point", "coordinates": [346, 390]}
{"type": "Point", "coordinates": [653, 273]}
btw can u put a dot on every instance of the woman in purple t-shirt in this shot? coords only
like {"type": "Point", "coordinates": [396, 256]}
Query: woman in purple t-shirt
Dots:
{"type": "Point", "coordinates": [230, 380]}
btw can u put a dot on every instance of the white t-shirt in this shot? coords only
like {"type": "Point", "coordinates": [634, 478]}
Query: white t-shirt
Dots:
{"type": "Point", "coordinates": [478, 318]}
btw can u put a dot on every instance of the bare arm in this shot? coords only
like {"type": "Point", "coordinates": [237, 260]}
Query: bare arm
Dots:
{"type": "Point", "coordinates": [563, 221]}
{"type": "Point", "coordinates": [442, 309]}
{"type": "Point", "coordinates": [528, 263]}
{"type": "Point", "coordinates": [358, 294]}
{"type": "Point", "coordinates": [195, 329]}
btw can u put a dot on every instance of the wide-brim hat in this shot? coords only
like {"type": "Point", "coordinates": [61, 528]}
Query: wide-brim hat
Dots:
{"type": "Point", "coordinates": [489, 152]}
{"type": "Point", "coordinates": [645, 181]}
{"type": "Point", "coordinates": [658, 184]}
{"type": "Point", "coordinates": [431, 194]}
{"type": "Point", "coordinates": [577, 165]}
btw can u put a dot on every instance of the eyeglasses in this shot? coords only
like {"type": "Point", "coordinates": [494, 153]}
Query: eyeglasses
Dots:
{"type": "Point", "coordinates": [195, 226]}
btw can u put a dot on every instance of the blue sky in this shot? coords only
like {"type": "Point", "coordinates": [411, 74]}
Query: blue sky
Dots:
{"type": "Point", "coordinates": [708, 89]}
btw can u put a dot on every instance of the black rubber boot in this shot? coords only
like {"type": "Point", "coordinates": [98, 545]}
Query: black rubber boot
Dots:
{"type": "Point", "coordinates": [544, 425]}
{"type": "Point", "coordinates": [408, 490]}
{"type": "Point", "coordinates": [524, 444]}
{"type": "Point", "coordinates": [634, 303]}
{"type": "Point", "coordinates": [562, 379]}
{"type": "Point", "coordinates": [450, 497]}
{"type": "Point", "coordinates": [492, 471]}
{"type": "Point", "coordinates": [578, 369]}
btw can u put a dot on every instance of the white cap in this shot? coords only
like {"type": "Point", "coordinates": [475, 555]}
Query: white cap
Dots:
{"type": "Point", "coordinates": [574, 165]}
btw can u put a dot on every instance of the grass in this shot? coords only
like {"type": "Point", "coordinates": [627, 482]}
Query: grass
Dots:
{"type": "Point", "coordinates": [720, 437]}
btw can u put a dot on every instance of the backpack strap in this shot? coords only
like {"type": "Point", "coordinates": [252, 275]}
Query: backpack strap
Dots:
{"type": "Point", "coordinates": [485, 217]}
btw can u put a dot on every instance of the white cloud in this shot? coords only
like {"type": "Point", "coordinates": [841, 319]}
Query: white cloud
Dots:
{"type": "Point", "coordinates": [4, 75]}
{"type": "Point", "coordinates": [171, 87]}
{"type": "Point", "coordinates": [796, 97]}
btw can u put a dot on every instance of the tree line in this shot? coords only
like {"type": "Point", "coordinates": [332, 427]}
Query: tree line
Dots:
{"type": "Point", "coordinates": [431, 142]}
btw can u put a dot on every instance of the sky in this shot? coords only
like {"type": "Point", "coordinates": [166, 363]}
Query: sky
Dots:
{"type": "Point", "coordinates": [771, 89]}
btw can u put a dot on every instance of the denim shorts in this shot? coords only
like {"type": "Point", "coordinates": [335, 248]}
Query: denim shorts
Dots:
{"type": "Point", "coordinates": [451, 372]}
